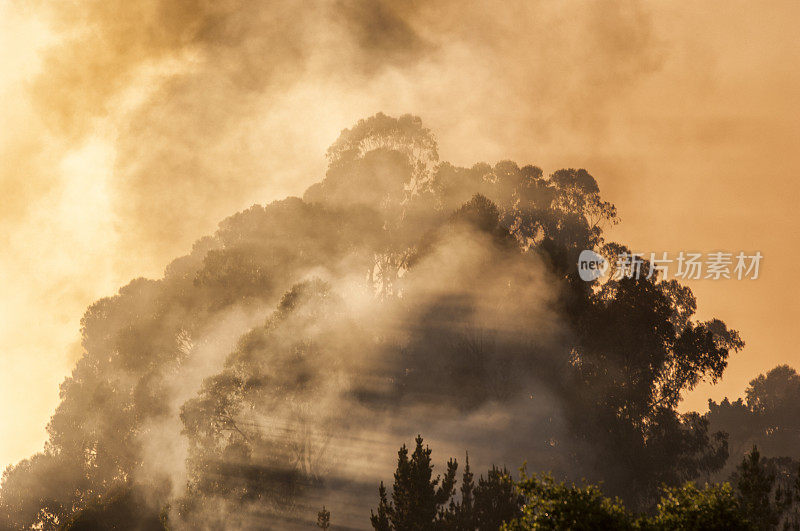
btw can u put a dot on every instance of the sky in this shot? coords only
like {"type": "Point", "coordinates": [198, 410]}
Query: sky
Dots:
{"type": "Point", "coordinates": [129, 130]}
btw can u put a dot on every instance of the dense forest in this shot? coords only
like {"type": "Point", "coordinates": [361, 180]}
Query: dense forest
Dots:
{"type": "Point", "coordinates": [267, 380]}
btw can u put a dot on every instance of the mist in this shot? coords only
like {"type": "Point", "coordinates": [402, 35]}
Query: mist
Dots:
{"type": "Point", "coordinates": [274, 368]}
{"type": "Point", "coordinates": [133, 129]}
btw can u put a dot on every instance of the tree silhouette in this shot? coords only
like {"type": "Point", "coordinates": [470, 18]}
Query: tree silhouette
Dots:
{"type": "Point", "coordinates": [755, 481]}
{"type": "Point", "coordinates": [497, 499]}
{"type": "Point", "coordinates": [460, 514]}
{"type": "Point", "coordinates": [714, 507]}
{"type": "Point", "coordinates": [418, 500]}
{"type": "Point", "coordinates": [446, 290]}
{"type": "Point", "coordinates": [768, 416]}
{"type": "Point", "coordinates": [552, 505]}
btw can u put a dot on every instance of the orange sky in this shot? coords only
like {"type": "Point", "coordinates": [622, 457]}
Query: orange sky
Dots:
{"type": "Point", "coordinates": [122, 145]}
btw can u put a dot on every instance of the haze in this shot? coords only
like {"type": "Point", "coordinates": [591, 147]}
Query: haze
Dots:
{"type": "Point", "coordinates": [131, 130]}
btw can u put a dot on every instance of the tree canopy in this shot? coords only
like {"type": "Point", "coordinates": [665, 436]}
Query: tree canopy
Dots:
{"type": "Point", "coordinates": [400, 293]}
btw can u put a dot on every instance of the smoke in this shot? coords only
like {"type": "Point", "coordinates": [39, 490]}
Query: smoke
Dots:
{"type": "Point", "coordinates": [200, 95]}
{"type": "Point", "coordinates": [191, 86]}
{"type": "Point", "coordinates": [178, 113]}
{"type": "Point", "coordinates": [341, 372]}
{"type": "Point", "coordinates": [277, 366]}
{"type": "Point", "coordinates": [134, 127]}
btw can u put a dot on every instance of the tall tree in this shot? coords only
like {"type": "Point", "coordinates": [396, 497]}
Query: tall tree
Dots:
{"type": "Point", "coordinates": [755, 481]}
{"type": "Point", "coordinates": [419, 501]}
{"type": "Point", "coordinates": [497, 499]}
{"type": "Point", "coordinates": [478, 263]}
{"type": "Point", "coordinates": [465, 509]}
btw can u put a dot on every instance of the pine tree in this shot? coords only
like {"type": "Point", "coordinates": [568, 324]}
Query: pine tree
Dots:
{"type": "Point", "coordinates": [460, 516]}
{"type": "Point", "coordinates": [418, 501]}
{"type": "Point", "coordinates": [792, 518]}
{"type": "Point", "coordinates": [380, 521]}
{"type": "Point", "coordinates": [496, 500]}
{"type": "Point", "coordinates": [466, 509]}
{"type": "Point", "coordinates": [754, 482]}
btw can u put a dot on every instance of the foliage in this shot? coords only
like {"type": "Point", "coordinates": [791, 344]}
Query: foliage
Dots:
{"type": "Point", "coordinates": [541, 502]}
{"type": "Point", "coordinates": [419, 502]}
{"type": "Point", "coordinates": [769, 490]}
{"type": "Point", "coordinates": [553, 505]}
{"type": "Point", "coordinates": [754, 482]}
{"type": "Point", "coordinates": [123, 508]}
{"type": "Point", "coordinates": [768, 416]}
{"type": "Point", "coordinates": [714, 507]}
{"type": "Point", "coordinates": [497, 499]}
{"type": "Point", "coordinates": [475, 270]}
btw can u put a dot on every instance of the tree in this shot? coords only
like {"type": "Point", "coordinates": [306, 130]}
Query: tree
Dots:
{"type": "Point", "coordinates": [469, 299]}
{"type": "Point", "coordinates": [381, 521]}
{"type": "Point", "coordinates": [768, 416]}
{"type": "Point", "coordinates": [768, 489]}
{"type": "Point", "coordinates": [553, 505]}
{"type": "Point", "coordinates": [714, 507]}
{"type": "Point", "coordinates": [630, 366]}
{"type": "Point", "coordinates": [792, 496]}
{"type": "Point", "coordinates": [755, 481]}
{"type": "Point", "coordinates": [497, 499]}
{"type": "Point", "coordinates": [418, 501]}
{"type": "Point", "coordinates": [461, 515]}
{"type": "Point", "coordinates": [122, 508]}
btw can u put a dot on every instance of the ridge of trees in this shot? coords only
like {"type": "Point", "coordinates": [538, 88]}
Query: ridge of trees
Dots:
{"type": "Point", "coordinates": [755, 499]}
{"type": "Point", "coordinates": [476, 269]}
